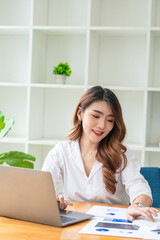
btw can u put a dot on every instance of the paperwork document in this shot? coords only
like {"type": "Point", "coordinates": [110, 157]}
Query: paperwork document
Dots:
{"type": "Point", "coordinates": [111, 221]}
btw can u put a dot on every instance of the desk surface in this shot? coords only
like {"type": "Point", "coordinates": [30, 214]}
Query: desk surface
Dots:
{"type": "Point", "coordinates": [12, 229]}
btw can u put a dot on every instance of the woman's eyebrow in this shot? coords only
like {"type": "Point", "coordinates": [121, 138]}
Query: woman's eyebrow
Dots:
{"type": "Point", "coordinates": [97, 111]}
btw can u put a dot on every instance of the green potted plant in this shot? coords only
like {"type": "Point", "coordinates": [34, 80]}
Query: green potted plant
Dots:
{"type": "Point", "coordinates": [61, 71]}
{"type": "Point", "coordinates": [13, 158]}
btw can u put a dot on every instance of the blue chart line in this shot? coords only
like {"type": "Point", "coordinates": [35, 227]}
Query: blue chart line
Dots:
{"type": "Point", "coordinates": [112, 210]}
{"type": "Point", "coordinates": [107, 225]}
{"type": "Point", "coordinates": [125, 232]}
{"type": "Point", "coordinates": [102, 230]}
{"type": "Point", "coordinates": [116, 220]}
{"type": "Point", "coordinates": [112, 214]}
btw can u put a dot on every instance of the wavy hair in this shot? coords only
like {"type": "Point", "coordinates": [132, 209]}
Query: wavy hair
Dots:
{"type": "Point", "coordinates": [110, 151]}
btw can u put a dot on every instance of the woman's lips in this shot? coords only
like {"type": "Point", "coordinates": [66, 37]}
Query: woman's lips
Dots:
{"type": "Point", "coordinates": [97, 133]}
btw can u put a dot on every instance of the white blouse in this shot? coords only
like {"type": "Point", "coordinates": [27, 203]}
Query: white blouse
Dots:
{"type": "Point", "coordinates": [64, 162]}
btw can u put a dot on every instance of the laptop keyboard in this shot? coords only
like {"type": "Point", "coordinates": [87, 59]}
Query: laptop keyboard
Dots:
{"type": "Point", "coordinates": [65, 219]}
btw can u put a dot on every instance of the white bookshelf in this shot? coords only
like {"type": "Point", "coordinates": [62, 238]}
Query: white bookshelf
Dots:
{"type": "Point", "coordinates": [113, 43]}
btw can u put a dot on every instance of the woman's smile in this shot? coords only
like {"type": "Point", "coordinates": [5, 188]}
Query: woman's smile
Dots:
{"type": "Point", "coordinates": [97, 133]}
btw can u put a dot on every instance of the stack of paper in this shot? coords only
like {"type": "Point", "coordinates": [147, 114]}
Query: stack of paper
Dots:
{"type": "Point", "coordinates": [111, 221]}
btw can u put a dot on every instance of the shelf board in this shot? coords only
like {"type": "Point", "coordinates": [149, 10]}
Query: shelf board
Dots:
{"type": "Point", "coordinates": [61, 30]}
{"type": "Point", "coordinates": [68, 30]}
{"type": "Point", "coordinates": [119, 31]}
{"type": "Point", "coordinates": [14, 30]}
{"type": "Point", "coordinates": [135, 146]}
{"type": "Point", "coordinates": [13, 140]}
{"type": "Point", "coordinates": [44, 141]}
{"type": "Point", "coordinates": [154, 89]}
{"type": "Point", "coordinates": [152, 148]}
{"type": "Point", "coordinates": [132, 146]}
{"type": "Point", "coordinates": [156, 30]}
{"type": "Point", "coordinates": [44, 85]}
{"type": "Point", "coordinates": [10, 84]}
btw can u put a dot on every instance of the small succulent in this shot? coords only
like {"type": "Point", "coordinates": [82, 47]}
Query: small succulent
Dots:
{"type": "Point", "coordinates": [62, 68]}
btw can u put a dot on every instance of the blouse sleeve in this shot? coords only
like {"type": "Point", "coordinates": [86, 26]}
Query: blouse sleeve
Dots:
{"type": "Point", "coordinates": [52, 164]}
{"type": "Point", "coordinates": [135, 183]}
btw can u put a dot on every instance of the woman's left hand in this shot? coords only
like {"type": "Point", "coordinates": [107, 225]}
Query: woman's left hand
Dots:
{"type": "Point", "coordinates": [135, 211]}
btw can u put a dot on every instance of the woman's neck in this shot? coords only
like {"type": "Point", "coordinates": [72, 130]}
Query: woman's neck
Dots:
{"type": "Point", "coordinates": [88, 154]}
{"type": "Point", "coordinates": [86, 147]}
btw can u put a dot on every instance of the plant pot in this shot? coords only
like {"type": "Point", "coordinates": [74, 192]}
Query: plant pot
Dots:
{"type": "Point", "coordinates": [60, 78]}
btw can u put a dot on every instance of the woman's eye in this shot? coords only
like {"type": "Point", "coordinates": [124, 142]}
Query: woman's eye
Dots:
{"type": "Point", "coordinates": [110, 120]}
{"type": "Point", "coordinates": [95, 116]}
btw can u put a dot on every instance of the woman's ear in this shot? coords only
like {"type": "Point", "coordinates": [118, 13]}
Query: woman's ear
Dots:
{"type": "Point", "coordinates": [79, 114]}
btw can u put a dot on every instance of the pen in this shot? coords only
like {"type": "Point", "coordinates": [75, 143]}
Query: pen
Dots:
{"type": "Point", "coordinates": [67, 203]}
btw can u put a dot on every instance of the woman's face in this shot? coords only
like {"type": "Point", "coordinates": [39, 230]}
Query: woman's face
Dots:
{"type": "Point", "coordinates": [97, 121]}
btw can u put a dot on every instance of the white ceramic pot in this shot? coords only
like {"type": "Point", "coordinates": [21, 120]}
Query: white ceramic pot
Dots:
{"type": "Point", "coordinates": [60, 78]}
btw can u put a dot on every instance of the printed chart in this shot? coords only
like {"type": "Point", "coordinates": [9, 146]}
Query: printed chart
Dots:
{"type": "Point", "coordinates": [111, 221]}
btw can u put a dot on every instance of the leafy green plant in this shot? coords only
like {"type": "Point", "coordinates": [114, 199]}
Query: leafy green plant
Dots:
{"type": "Point", "coordinates": [62, 68]}
{"type": "Point", "coordinates": [13, 158]}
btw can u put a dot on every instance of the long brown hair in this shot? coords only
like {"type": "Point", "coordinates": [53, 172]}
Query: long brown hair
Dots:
{"type": "Point", "coordinates": [111, 151]}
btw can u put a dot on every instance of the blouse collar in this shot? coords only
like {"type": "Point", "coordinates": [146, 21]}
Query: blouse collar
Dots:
{"type": "Point", "coordinates": [77, 157]}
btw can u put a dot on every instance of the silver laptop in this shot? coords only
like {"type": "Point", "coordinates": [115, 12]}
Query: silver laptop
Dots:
{"type": "Point", "coordinates": [29, 195]}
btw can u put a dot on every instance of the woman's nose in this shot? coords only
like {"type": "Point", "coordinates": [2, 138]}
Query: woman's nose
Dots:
{"type": "Point", "coordinates": [101, 124]}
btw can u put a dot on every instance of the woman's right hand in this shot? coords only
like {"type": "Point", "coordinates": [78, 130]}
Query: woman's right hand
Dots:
{"type": "Point", "coordinates": [60, 200]}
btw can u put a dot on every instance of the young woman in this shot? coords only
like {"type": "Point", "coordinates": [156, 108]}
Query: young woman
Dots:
{"type": "Point", "coordinates": [94, 164]}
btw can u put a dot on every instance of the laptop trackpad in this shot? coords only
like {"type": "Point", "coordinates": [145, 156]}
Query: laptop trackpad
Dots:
{"type": "Point", "coordinates": [67, 219]}
{"type": "Point", "coordinates": [73, 216]}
